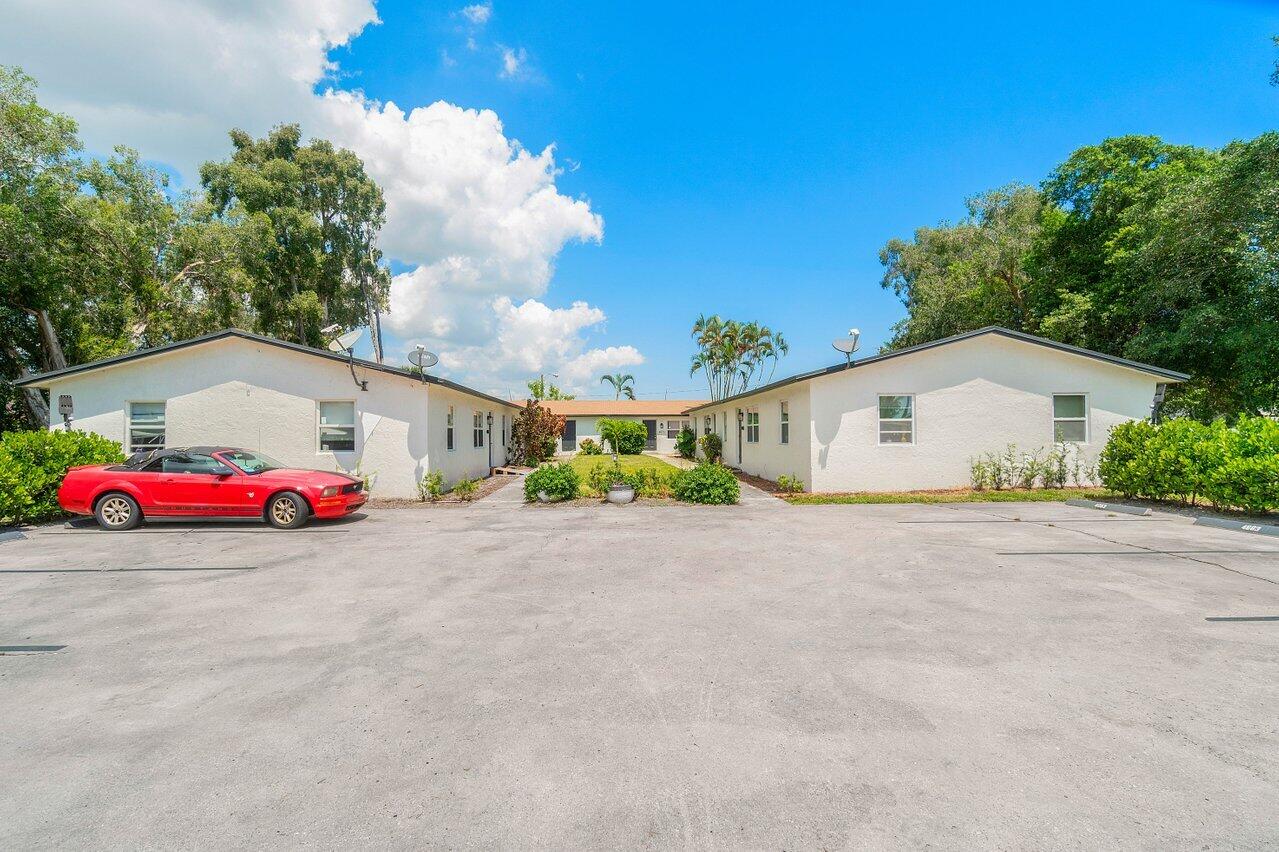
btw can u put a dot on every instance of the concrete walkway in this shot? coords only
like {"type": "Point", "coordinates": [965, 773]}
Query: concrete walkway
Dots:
{"type": "Point", "coordinates": [757, 499]}
{"type": "Point", "coordinates": [510, 494]}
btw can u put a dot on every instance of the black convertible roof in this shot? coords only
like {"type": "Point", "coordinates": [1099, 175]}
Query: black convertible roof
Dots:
{"type": "Point", "coordinates": [43, 379]}
{"type": "Point", "coordinates": [142, 458]}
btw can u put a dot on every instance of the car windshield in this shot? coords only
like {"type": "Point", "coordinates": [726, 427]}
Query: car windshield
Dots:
{"type": "Point", "coordinates": [251, 463]}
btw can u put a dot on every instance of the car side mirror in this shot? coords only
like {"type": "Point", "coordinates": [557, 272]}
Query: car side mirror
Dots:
{"type": "Point", "coordinates": [223, 472]}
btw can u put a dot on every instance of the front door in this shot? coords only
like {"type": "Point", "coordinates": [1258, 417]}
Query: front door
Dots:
{"type": "Point", "coordinates": [569, 443]}
{"type": "Point", "coordinates": [651, 426]}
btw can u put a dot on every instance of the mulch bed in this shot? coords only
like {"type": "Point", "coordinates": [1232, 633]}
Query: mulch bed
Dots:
{"type": "Point", "coordinates": [768, 486]}
{"type": "Point", "coordinates": [487, 487]}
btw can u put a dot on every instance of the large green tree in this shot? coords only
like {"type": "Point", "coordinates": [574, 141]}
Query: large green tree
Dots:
{"type": "Point", "coordinates": [1204, 267]}
{"type": "Point", "coordinates": [96, 258]}
{"type": "Point", "coordinates": [323, 266]}
{"type": "Point", "coordinates": [1157, 252]}
{"type": "Point", "coordinates": [1099, 190]}
{"type": "Point", "coordinates": [954, 278]}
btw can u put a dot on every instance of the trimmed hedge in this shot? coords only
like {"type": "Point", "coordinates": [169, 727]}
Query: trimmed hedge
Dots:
{"type": "Point", "coordinates": [707, 483]}
{"type": "Point", "coordinates": [1185, 460]}
{"type": "Point", "coordinates": [32, 465]}
{"type": "Point", "coordinates": [626, 437]}
{"type": "Point", "coordinates": [559, 481]}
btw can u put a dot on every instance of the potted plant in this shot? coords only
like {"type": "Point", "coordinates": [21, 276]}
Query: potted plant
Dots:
{"type": "Point", "coordinates": [620, 493]}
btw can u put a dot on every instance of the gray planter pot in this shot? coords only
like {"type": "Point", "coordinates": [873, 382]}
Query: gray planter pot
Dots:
{"type": "Point", "coordinates": [620, 495]}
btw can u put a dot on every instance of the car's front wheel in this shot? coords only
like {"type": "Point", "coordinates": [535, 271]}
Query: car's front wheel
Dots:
{"type": "Point", "coordinates": [287, 511]}
{"type": "Point", "coordinates": [116, 512]}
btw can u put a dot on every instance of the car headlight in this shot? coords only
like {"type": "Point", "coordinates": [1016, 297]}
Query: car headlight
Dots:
{"type": "Point", "coordinates": [329, 491]}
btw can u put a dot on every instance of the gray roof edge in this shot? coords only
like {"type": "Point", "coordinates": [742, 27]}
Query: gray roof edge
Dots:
{"type": "Point", "coordinates": [42, 379]}
{"type": "Point", "coordinates": [1172, 375]}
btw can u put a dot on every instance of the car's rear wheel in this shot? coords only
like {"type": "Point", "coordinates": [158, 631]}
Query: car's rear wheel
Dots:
{"type": "Point", "coordinates": [287, 511]}
{"type": "Point", "coordinates": [115, 512]}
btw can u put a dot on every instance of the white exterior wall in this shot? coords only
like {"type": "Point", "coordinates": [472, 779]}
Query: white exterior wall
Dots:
{"type": "Point", "coordinates": [769, 457]}
{"type": "Point", "coordinates": [971, 397]}
{"type": "Point", "coordinates": [465, 460]}
{"type": "Point", "coordinates": [589, 427]}
{"type": "Point", "coordinates": [254, 395]}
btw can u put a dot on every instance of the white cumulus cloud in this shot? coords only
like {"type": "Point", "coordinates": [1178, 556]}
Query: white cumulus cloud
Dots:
{"type": "Point", "coordinates": [478, 215]}
{"type": "Point", "coordinates": [513, 62]}
{"type": "Point", "coordinates": [478, 13]}
{"type": "Point", "coordinates": [532, 338]}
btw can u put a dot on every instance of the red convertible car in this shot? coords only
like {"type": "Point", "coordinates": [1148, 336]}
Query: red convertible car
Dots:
{"type": "Point", "coordinates": [207, 482]}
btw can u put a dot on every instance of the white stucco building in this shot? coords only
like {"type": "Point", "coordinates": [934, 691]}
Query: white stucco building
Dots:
{"type": "Point", "coordinates": [912, 419]}
{"type": "Point", "coordinates": [306, 407]}
{"type": "Point", "coordinates": [662, 418]}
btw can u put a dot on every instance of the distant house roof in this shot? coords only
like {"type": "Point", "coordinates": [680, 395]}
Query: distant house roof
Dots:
{"type": "Point", "coordinates": [619, 407]}
{"type": "Point", "coordinates": [43, 379]}
{"type": "Point", "coordinates": [1170, 375]}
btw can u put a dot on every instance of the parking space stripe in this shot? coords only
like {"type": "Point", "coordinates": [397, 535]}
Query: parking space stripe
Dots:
{"type": "Point", "coordinates": [1242, 618]}
{"type": "Point", "coordinates": [115, 570]}
{"type": "Point", "coordinates": [1117, 552]}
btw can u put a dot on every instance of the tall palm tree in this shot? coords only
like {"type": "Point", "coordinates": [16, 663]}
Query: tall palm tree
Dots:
{"type": "Point", "coordinates": [733, 355]}
{"type": "Point", "coordinates": [623, 384]}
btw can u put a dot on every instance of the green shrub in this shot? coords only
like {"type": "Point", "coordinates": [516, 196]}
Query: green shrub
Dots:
{"type": "Point", "coordinates": [559, 481]}
{"type": "Point", "coordinates": [706, 483]}
{"type": "Point", "coordinates": [790, 484]}
{"type": "Point", "coordinates": [651, 481]}
{"type": "Point", "coordinates": [602, 475]}
{"type": "Point", "coordinates": [712, 447]}
{"type": "Point", "coordinates": [1014, 468]}
{"type": "Point", "coordinates": [465, 489]}
{"type": "Point", "coordinates": [430, 486]}
{"type": "Point", "coordinates": [686, 443]}
{"type": "Point", "coordinates": [1184, 460]}
{"type": "Point", "coordinates": [1246, 470]}
{"type": "Point", "coordinates": [32, 465]}
{"type": "Point", "coordinates": [626, 437]}
{"type": "Point", "coordinates": [588, 447]}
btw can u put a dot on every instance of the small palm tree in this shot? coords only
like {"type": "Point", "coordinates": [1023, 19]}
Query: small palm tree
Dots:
{"type": "Point", "coordinates": [623, 383]}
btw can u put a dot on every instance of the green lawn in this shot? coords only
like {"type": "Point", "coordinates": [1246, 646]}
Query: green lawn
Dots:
{"type": "Point", "coordinates": [961, 496]}
{"type": "Point", "coordinates": [583, 464]}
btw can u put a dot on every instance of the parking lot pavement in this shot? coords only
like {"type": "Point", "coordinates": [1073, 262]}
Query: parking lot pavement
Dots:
{"type": "Point", "coordinates": [1011, 675]}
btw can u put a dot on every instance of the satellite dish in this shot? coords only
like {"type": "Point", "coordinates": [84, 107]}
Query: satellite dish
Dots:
{"type": "Point", "coordinates": [421, 358]}
{"type": "Point", "coordinates": [848, 345]}
{"type": "Point", "coordinates": [345, 342]}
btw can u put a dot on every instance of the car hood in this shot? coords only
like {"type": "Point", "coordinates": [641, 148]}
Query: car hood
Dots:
{"type": "Point", "coordinates": [318, 478]}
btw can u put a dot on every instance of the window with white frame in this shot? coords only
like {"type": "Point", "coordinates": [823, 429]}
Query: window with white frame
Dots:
{"type": "Point", "coordinates": [448, 431]}
{"type": "Point", "coordinates": [503, 430]}
{"type": "Point", "coordinates": [674, 427]}
{"type": "Point", "coordinates": [752, 426]}
{"type": "Point", "coordinates": [1070, 418]}
{"type": "Point", "coordinates": [336, 430]}
{"type": "Point", "coordinates": [706, 425]}
{"type": "Point", "coordinates": [896, 419]}
{"type": "Point", "coordinates": [785, 415]}
{"type": "Point", "coordinates": [477, 429]}
{"type": "Point", "coordinates": [146, 426]}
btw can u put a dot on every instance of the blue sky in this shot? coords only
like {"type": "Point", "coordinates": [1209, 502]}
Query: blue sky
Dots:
{"type": "Point", "coordinates": [753, 163]}
{"type": "Point", "coordinates": [742, 159]}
